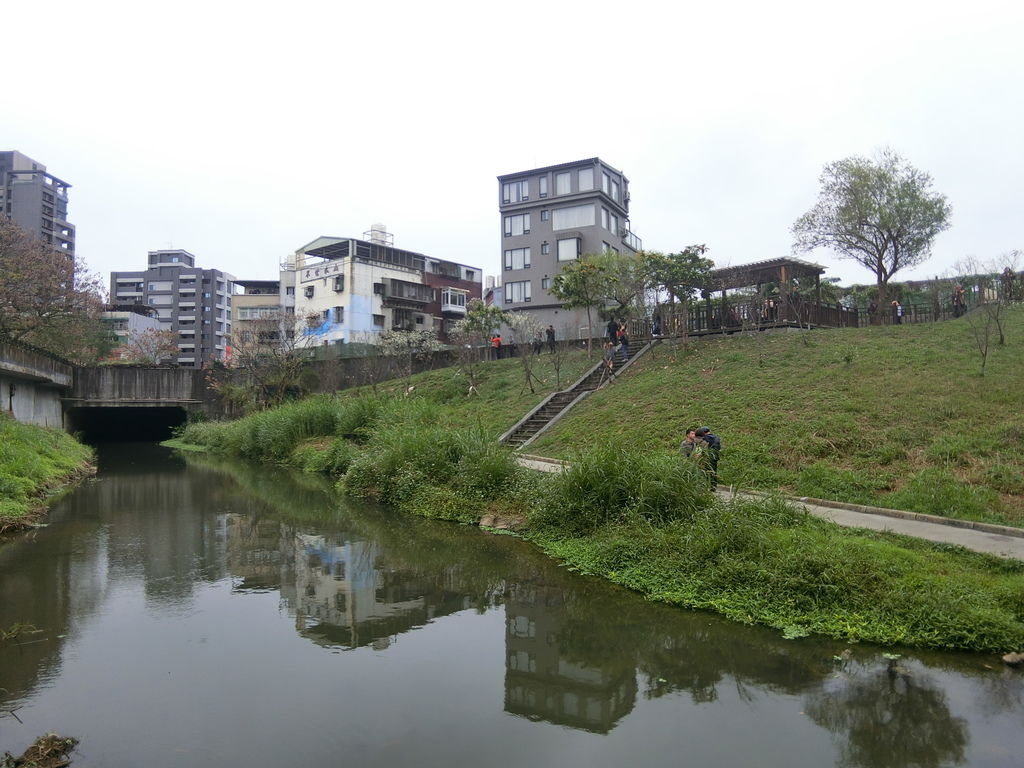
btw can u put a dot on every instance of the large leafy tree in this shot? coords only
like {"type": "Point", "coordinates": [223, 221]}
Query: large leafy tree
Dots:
{"type": "Point", "coordinates": [880, 212]}
{"type": "Point", "coordinates": [582, 284]}
{"type": "Point", "coordinates": [679, 274]}
{"type": "Point", "coordinates": [46, 297]}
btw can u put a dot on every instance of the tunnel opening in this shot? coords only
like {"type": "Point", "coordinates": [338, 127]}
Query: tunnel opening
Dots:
{"type": "Point", "coordinates": [129, 424]}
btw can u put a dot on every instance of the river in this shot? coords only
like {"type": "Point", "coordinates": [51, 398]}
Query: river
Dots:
{"type": "Point", "coordinates": [194, 611]}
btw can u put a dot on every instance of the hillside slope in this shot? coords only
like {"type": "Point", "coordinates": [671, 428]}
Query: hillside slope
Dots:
{"type": "Point", "coordinates": [895, 416]}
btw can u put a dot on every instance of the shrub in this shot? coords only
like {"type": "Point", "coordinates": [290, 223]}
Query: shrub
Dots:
{"type": "Point", "coordinates": [610, 484]}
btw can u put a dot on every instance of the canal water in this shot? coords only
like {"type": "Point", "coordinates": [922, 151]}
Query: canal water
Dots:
{"type": "Point", "coordinates": [200, 612]}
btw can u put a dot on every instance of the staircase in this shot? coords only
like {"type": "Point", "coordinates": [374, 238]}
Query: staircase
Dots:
{"type": "Point", "coordinates": [554, 406]}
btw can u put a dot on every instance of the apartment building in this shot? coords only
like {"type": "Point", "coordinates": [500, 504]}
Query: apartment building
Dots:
{"type": "Point", "coordinates": [349, 291]}
{"type": "Point", "coordinates": [193, 302]}
{"type": "Point", "coordinates": [551, 216]}
{"type": "Point", "coordinates": [36, 201]}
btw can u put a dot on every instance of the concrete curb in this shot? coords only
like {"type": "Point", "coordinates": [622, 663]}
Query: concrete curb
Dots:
{"type": "Point", "coordinates": [864, 509]}
{"type": "Point", "coordinates": [953, 522]}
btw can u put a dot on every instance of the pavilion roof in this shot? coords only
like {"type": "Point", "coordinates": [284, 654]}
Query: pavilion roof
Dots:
{"type": "Point", "coordinates": [759, 272]}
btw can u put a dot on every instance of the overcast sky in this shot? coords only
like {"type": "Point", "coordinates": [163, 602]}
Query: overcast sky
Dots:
{"type": "Point", "coordinates": [241, 130]}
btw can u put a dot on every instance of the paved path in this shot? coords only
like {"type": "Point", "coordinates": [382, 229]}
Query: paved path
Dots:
{"type": "Point", "coordinates": [996, 540]}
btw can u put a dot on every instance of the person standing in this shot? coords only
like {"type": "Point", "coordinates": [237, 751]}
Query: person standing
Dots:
{"type": "Point", "coordinates": [689, 442]}
{"type": "Point", "coordinates": [550, 333]}
{"type": "Point", "coordinates": [612, 329]}
{"type": "Point", "coordinates": [623, 335]}
{"type": "Point", "coordinates": [712, 450]}
{"type": "Point", "coordinates": [897, 313]}
{"type": "Point", "coordinates": [496, 345]}
{"type": "Point", "coordinates": [959, 301]}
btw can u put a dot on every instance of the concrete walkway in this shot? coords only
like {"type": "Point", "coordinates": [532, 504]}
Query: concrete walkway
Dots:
{"type": "Point", "coordinates": [980, 537]}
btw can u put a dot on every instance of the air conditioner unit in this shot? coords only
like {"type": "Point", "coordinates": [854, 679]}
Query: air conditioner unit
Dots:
{"type": "Point", "coordinates": [623, 232]}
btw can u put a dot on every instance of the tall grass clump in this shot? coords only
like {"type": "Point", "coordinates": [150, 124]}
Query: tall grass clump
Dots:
{"type": "Point", "coordinates": [612, 483]}
{"type": "Point", "coordinates": [274, 435]}
{"type": "Point", "coordinates": [32, 461]}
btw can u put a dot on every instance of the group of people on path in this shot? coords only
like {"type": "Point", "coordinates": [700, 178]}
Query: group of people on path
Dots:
{"type": "Point", "coordinates": [511, 350]}
{"type": "Point", "coordinates": [617, 340]}
{"type": "Point", "coordinates": [704, 447]}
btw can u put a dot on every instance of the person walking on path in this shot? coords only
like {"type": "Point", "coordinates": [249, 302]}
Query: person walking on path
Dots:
{"type": "Point", "coordinates": [609, 358]}
{"type": "Point", "coordinates": [612, 330]}
{"type": "Point", "coordinates": [550, 333]}
{"type": "Point", "coordinates": [712, 450]}
{"type": "Point", "coordinates": [623, 335]}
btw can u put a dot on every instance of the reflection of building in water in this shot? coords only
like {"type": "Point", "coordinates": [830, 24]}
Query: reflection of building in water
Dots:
{"type": "Point", "coordinates": [345, 594]}
{"type": "Point", "coordinates": [254, 553]}
{"type": "Point", "coordinates": [542, 682]}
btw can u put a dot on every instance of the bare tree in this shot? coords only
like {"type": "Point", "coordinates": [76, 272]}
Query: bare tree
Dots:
{"type": "Point", "coordinates": [265, 349]}
{"type": "Point", "coordinates": [407, 348]}
{"type": "Point", "coordinates": [527, 333]}
{"type": "Point", "coordinates": [471, 336]}
{"type": "Point", "coordinates": [47, 298]}
{"type": "Point", "coordinates": [985, 319]}
{"type": "Point", "coordinates": [149, 347]}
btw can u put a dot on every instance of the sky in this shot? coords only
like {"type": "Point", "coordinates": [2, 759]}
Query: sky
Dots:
{"type": "Point", "coordinates": [240, 131]}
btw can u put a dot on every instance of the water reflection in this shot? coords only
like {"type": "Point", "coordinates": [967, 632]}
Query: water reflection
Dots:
{"type": "Point", "coordinates": [578, 653]}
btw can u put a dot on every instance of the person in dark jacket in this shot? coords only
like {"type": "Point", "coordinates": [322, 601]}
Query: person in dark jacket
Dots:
{"type": "Point", "coordinates": [612, 329]}
{"type": "Point", "coordinates": [713, 448]}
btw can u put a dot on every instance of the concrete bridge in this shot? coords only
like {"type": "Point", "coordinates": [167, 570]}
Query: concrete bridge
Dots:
{"type": "Point", "coordinates": [39, 388]}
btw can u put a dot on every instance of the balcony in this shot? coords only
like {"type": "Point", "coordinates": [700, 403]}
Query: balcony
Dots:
{"type": "Point", "coordinates": [453, 302]}
{"type": "Point", "coordinates": [632, 241]}
{"type": "Point", "coordinates": [399, 293]}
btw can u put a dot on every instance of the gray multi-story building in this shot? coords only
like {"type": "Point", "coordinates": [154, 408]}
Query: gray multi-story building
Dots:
{"type": "Point", "coordinates": [551, 216]}
{"type": "Point", "coordinates": [195, 303]}
{"type": "Point", "coordinates": [36, 201]}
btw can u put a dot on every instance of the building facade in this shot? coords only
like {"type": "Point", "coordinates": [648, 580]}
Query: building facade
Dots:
{"type": "Point", "coordinates": [128, 322]}
{"type": "Point", "coordinates": [350, 291]}
{"type": "Point", "coordinates": [193, 302]}
{"type": "Point", "coordinates": [36, 201]}
{"type": "Point", "coordinates": [551, 216]}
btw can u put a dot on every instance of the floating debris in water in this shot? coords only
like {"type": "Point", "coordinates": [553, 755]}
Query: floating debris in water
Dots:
{"type": "Point", "coordinates": [49, 751]}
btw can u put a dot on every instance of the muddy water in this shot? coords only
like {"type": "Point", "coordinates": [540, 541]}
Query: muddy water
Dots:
{"type": "Point", "coordinates": [207, 613]}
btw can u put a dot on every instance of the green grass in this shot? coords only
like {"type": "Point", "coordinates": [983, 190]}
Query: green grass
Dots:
{"type": "Point", "coordinates": [33, 462]}
{"type": "Point", "coordinates": [891, 416]}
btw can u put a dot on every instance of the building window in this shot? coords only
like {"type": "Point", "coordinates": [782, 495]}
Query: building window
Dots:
{"type": "Point", "coordinates": [378, 320]}
{"type": "Point", "coordinates": [516, 191]}
{"type": "Point", "coordinates": [573, 218]}
{"type": "Point", "coordinates": [339, 314]}
{"type": "Point", "coordinates": [604, 218]}
{"type": "Point", "coordinates": [545, 215]}
{"type": "Point", "coordinates": [586, 180]}
{"type": "Point", "coordinates": [517, 225]}
{"type": "Point", "coordinates": [308, 291]}
{"type": "Point", "coordinates": [569, 249]}
{"type": "Point", "coordinates": [545, 283]}
{"type": "Point", "coordinates": [606, 184]}
{"type": "Point", "coordinates": [542, 185]}
{"type": "Point", "coordinates": [339, 284]}
{"type": "Point", "coordinates": [615, 190]}
{"type": "Point", "coordinates": [470, 275]}
{"type": "Point", "coordinates": [517, 258]}
{"type": "Point", "coordinates": [545, 249]}
{"type": "Point", "coordinates": [517, 293]}
{"type": "Point", "coordinates": [613, 223]}
{"type": "Point", "coordinates": [289, 290]}
{"type": "Point", "coordinates": [563, 183]}
{"type": "Point", "coordinates": [419, 319]}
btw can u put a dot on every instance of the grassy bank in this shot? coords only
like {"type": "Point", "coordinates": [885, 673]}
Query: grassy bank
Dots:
{"type": "Point", "coordinates": [890, 416]}
{"type": "Point", "coordinates": [33, 463]}
{"type": "Point", "coordinates": [646, 520]}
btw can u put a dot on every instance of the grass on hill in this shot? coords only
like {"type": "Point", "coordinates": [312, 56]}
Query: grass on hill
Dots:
{"type": "Point", "coordinates": [33, 462]}
{"type": "Point", "coordinates": [895, 416]}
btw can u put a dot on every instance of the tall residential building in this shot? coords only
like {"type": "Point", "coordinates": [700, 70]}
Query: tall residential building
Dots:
{"type": "Point", "coordinates": [36, 201]}
{"type": "Point", "coordinates": [195, 303]}
{"type": "Point", "coordinates": [551, 216]}
{"type": "Point", "coordinates": [350, 291]}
